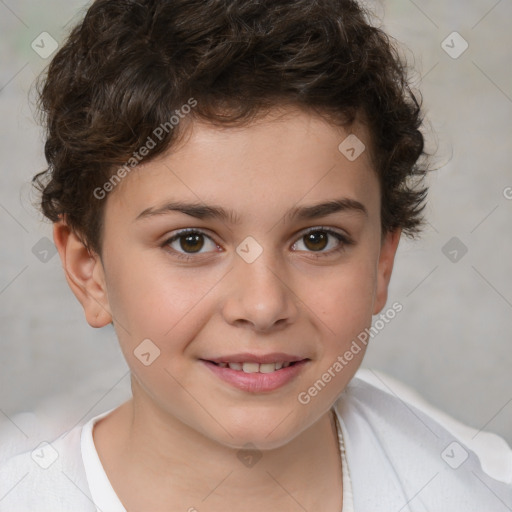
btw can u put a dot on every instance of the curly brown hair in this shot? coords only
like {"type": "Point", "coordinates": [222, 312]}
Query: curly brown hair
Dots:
{"type": "Point", "coordinates": [130, 65]}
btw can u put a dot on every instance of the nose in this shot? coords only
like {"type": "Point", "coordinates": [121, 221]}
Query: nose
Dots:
{"type": "Point", "coordinates": [260, 295]}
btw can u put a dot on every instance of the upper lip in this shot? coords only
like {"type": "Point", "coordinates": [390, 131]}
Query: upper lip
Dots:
{"type": "Point", "coordinates": [246, 357]}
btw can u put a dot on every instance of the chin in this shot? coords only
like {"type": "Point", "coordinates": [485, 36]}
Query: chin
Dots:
{"type": "Point", "coordinates": [257, 441]}
{"type": "Point", "coordinates": [266, 432]}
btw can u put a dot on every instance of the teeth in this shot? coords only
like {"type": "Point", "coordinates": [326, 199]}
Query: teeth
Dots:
{"type": "Point", "coordinates": [255, 367]}
{"type": "Point", "coordinates": [267, 367]}
{"type": "Point", "coordinates": [251, 367]}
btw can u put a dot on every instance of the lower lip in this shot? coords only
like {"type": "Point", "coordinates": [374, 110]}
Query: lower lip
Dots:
{"type": "Point", "coordinates": [257, 382]}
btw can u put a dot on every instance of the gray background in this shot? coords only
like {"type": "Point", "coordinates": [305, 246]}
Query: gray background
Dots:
{"type": "Point", "coordinates": [451, 342]}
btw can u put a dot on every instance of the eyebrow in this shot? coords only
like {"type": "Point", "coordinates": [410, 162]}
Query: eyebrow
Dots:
{"type": "Point", "coordinates": [202, 211]}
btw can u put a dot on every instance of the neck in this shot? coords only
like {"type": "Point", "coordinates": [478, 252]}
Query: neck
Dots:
{"type": "Point", "coordinates": [178, 465]}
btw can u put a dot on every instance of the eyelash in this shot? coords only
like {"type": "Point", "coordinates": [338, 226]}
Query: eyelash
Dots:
{"type": "Point", "coordinates": [344, 239]}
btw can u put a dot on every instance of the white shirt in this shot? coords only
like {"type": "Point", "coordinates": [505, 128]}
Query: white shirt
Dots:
{"type": "Point", "coordinates": [106, 499]}
{"type": "Point", "coordinates": [394, 456]}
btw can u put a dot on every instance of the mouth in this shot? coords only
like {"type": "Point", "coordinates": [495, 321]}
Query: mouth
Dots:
{"type": "Point", "coordinates": [253, 367]}
{"type": "Point", "coordinates": [257, 377]}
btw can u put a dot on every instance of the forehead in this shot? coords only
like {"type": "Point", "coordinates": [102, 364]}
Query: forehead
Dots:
{"type": "Point", "coordinates": [263, 168]}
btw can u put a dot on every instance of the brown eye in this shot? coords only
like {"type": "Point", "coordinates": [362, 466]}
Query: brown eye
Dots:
{"type": "Point", "coordinates": [191, 243]}
{"type": "Point", "coordinates": [316, 240]}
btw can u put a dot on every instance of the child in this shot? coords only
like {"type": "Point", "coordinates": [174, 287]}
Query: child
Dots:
{"type": "Point", "coordinates": [281, 141]}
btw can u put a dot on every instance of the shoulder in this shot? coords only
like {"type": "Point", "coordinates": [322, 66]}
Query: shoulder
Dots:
{"type": "Point", "coordinates": [394, 439]}
{"type": "Point", "coordinates": [371, 389]}
{"type": "Point", "coordinates": [50, 477]}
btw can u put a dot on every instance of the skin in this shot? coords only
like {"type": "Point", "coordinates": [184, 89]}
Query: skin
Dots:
{"type": "Point", "coordinates": [176, 441]}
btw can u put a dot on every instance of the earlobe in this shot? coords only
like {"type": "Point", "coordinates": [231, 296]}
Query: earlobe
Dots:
{"type": "Point", "coordinates": [84, 274]}
{"type": "Point", "coordinates": [388, 250]}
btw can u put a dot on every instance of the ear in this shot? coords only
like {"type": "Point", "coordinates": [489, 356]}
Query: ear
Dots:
{"type": "Point", "coordinates": [84, 274]}
{"type": "Point", "coordinates": [388, 249]}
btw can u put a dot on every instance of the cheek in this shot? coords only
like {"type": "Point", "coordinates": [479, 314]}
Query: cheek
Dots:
{"type": "Point", "coordinates": [150, 299]}
{"type": "Point", "coordinates": [342, 305]}
{"type": "Point", "coordinates": [343, 300]}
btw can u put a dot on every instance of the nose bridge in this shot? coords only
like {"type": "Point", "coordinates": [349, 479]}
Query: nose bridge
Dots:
{"type": "Point", "coordinates": [260, 293]}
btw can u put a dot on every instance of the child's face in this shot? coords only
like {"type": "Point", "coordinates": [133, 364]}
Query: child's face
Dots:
{"type": "Point", "coordinates": [300, 296]}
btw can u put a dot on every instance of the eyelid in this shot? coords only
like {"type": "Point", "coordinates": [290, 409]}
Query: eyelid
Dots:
{"type": "Point", "coordinates": [327, 229]}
